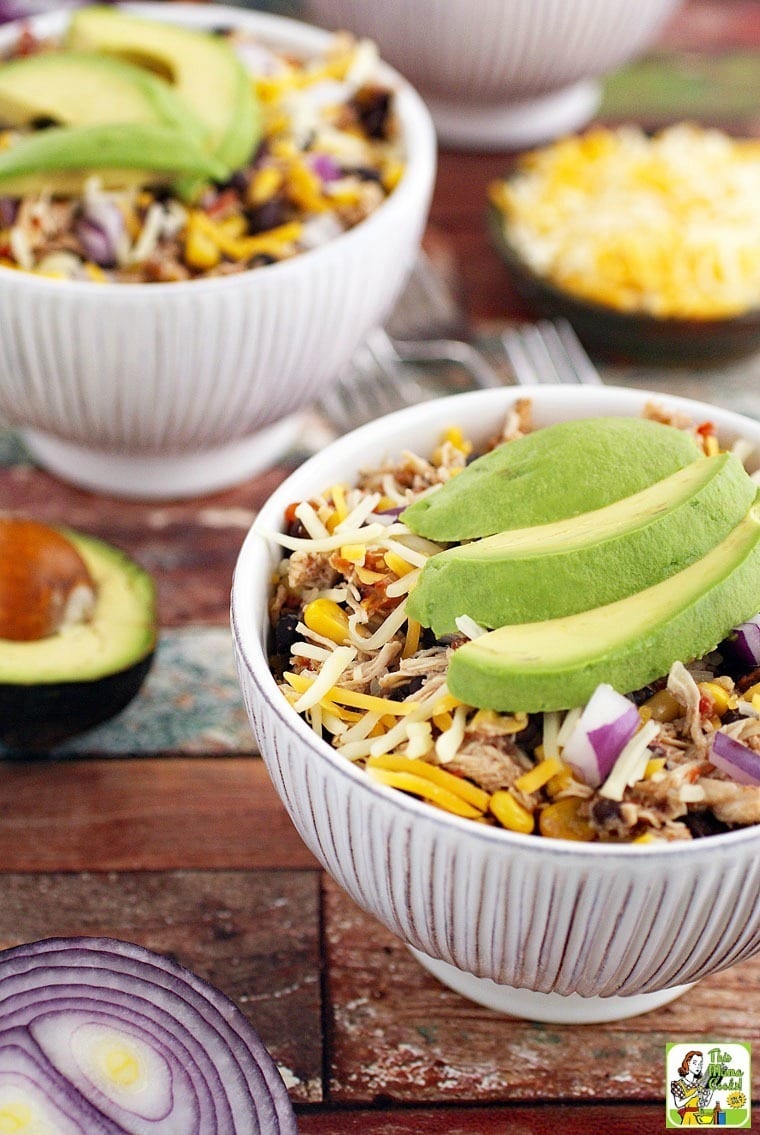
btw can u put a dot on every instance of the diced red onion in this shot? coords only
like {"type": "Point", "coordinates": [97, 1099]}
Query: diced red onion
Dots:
{"type": "Point", "coordinates": [745, 642]}
{"type": "Point", "coordinates": [101, 229]}
{"type": "Point", "coordinates": [735, 759]}
{"type": "Point", "coordinates": [325, 167]}
{"type": "Point", "coordinates": [23, 9]}
{"type": "Point", "coordinates": [606, 725]}
{"type": "Point", "coordinates": [8, 211]}
{"type": "Point", "coordinates": [101, 1037]}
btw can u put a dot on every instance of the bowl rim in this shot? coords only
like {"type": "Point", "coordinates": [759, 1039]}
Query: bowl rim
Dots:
{"type": "Point", "coordinates": [249, 624]}
{"type": "Point", "coordinates": [618, 319]}
{"type": "Point", "coordinates": [417, 128]}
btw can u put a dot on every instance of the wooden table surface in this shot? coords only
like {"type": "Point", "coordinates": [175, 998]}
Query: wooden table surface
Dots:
{"type": "Point", "coordinates": [162, 827]}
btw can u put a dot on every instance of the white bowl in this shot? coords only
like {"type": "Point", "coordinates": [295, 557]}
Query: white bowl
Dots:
{"type": "Point", "coordinates": [162, 390]}
{"type": "Point", "coordinates": [503, 73]}
{"type": "Point", "coordinates": [542, 928]}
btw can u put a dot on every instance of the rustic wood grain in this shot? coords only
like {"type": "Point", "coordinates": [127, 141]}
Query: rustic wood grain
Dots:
{"type": "Point", "coordinates": [400, 1035]}
{"type": "Point", "coordinates": [253, 934]}
{"type": "Point", "coordinates": [144, 814]}
{"type": "Point", "coordinates": [535, 1120]}
{"type": "Point", "coordinates": [190, 547]}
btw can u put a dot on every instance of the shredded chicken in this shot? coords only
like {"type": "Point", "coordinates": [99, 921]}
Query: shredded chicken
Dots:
{"type": "Point", "coordinates": [400, 719]}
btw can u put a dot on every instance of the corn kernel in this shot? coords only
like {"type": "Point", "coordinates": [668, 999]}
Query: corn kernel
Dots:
{"type": "Point", "coordinates": [201, 250]}
{"type": "Point", "coordinates": [509, 812]}
{"type": "Point", "coordinates": [398, 565]}
{"type": "Point", "coordinates": [560, 782]}
{"type": "Point", "coordinates": [752, 692]}
{"type": "Point", "coordinates": [562, 820]}
{"type": "Point", "coordinates": [264, 184]}
{"type": "Point", "coordinates": [539, 775]}
{"type": "Point", "coordinates": [391, 175]}
{"type": "Point", "coordinates": [353, 553]}
{"type": "Point", "coordinates": [718, 695]}
{"type": "Point", "coordinates": [455, 437]}
{"type": "Point", "coordinates": [655, 765]}
{"type": "Point", "coordinates": [325, 617]}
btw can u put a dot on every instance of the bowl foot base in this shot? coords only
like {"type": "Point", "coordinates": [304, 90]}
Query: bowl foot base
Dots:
{"type": "Point", "coordinates": [163, 476]}
{"type": "Point", "coordinates": [552, 1008]}
{"type": "Point", "coordinates": [528, 123]}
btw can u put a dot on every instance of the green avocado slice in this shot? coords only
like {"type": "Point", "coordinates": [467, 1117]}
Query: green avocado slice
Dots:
{"type": "Point", "coordinates": [121, 633]}
{"type": "Point", "coordinates": [555, 472]}
{"type": "Point", "coordinates": [61, 157]}
{"type": "Point", "coordinates": [202, 68]}
{"type": "Point", "coordinates": [558, 663]}
{"type": "Point", "coordinates": [77, 89]}
{"type": "Point", "coordinates": [585, 561]}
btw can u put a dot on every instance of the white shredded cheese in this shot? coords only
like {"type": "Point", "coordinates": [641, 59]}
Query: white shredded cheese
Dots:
{"type": "Point", "coordinates": [403, 585]}
{"type": "Point", "coordinates": [366, 535]}
{"type": "Point", "coordinates": [333, 668]}
{"type": "Point", "coordinates": [551, 733]}
{"type": "Point", "coordinates": [384, 632]}
{"type": "Point", "coordinates": [359, 513]}
{"type": "Point", "coordinates": [469, 628]}
{"type": "Point", "coordinates": [447, 743]}
{"type": "Point", "coordinates": [311, 522]}
{"type": "Point", "coordinates": [630, 765]}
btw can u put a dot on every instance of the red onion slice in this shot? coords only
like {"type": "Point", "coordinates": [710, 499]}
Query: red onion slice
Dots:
{"type": "Point", "coordinates": [606, 725]}
{"type": "Point", "coordinates": [745, 642]}
{"type": "Point", "coordinates": [115, 1039]}
{"type": "Point", "coordinates": [735, 759]}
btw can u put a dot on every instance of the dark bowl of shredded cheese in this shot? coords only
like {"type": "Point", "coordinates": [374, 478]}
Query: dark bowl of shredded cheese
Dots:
{"type": "Point", "coordinates": [648, 244]}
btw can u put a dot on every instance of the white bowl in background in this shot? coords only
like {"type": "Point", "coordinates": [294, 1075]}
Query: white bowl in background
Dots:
{"type": "Point", "coordinates": [172, 389]}
{"type": "Point", "coordinates": [542, 928]}
{"type": "Point", "coordinates": [503, 73]}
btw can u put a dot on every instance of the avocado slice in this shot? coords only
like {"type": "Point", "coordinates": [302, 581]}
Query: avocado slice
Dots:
{"type": "Point", "coordinates": [203, 69]}
{"type": "Point", "coordinates": [128, 153]}
{"type": "Point", "coordinates": [570, 565]}
{"type": "Point", "coordinates": [559, 471]}
{"type": "Point", "coordinates": [558, 663]}
{"type": "Point", "coordinates": [54, 687]}
{"type": "Point", "coordinates": [77, 89]}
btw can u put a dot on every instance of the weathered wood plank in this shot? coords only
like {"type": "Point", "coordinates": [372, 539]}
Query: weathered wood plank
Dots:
{"type": "Point", "coordinates": [144, 814]}
{"type": "Point", "coordinates": [399, 1035]}
{"type": "Point", "coordinates": [537, 1120]}
{"type": "Point", "coordinates": [190, 547]}
{"type": "Point", "coordinates": [253, 934]}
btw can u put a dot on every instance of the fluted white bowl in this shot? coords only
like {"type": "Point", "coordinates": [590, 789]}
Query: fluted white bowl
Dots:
{"type": "Point", "coordinates": [503, 73]}
{"type": "Point", "coordinates": [542, 928]}
{"type": "Point", "coordinates": [172, 389]}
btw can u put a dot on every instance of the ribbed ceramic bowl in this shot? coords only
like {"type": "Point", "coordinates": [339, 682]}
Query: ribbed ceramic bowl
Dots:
{"type": "Point", "coordinates": [547, 929]}
{"type": "Point", "coordinates": [161, 390]}
{"type": "Point", "coordinates": [503, 73]}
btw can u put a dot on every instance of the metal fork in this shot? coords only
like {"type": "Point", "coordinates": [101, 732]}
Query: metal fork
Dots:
{"type": "Point", "coordinates": [392, 368]}
{"type": "Point", "coordinates": [548, 351]}
{"type": "Point", "coordinates": [380, 377]}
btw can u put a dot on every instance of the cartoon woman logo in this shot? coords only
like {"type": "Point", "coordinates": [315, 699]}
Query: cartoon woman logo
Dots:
{"type": "Point", "coordinates": [691, 1093]}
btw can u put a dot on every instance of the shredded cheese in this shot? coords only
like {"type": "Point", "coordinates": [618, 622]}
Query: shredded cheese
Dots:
{"type": "Point", "coordinates": [668, 225]}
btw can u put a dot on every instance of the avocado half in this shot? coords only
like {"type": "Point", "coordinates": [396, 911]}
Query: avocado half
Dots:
{"type": "Point", "coordinates": [58, 686]}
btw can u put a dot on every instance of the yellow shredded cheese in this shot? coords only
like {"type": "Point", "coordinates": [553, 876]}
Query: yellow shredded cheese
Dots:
{"type": "Point", "coordinates": [668, 225]}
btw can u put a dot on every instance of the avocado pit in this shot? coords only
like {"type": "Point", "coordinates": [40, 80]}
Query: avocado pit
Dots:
{"type": "Point", "coordinates": [45, 584]}
{"type": "Point", "coordinates": [78, 631]}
